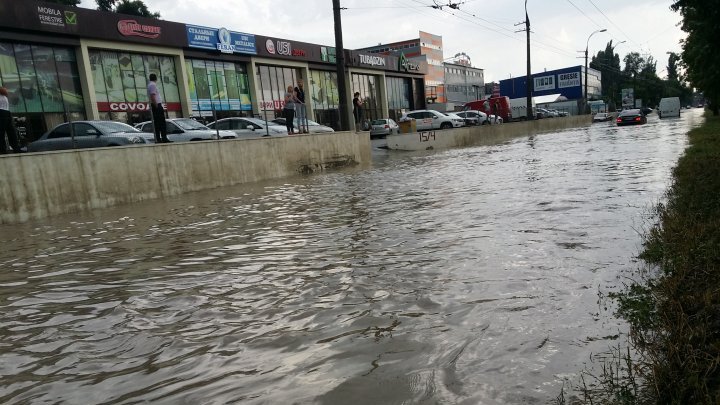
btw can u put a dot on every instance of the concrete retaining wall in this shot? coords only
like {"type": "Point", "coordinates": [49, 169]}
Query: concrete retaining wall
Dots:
{"type": "Point", "coordinates": [482, 135]}
{"type": "Point", "coordinates": [38, 185]}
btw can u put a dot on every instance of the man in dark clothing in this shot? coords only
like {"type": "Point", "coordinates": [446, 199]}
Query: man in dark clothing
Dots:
{"type": "Point", "coordinates": [158, 112]}
{"type": "Point", "coordinates": [300, 108]}
{"type": "Point", "coordinates": [357, 110]}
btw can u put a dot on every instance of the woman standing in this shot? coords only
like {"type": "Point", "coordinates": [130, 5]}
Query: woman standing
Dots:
{"type": "Point", "coordinates": [6, 124]}
{"type": "Point", "coordinates": [289, 110]}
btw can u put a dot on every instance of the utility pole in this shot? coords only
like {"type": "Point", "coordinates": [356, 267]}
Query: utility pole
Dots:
{"type": "Point", "coordinates": [340, 67]}
{"type": "Point", "coordinates": [528, 78]}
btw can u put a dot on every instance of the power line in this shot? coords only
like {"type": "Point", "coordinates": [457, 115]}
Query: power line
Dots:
{"type": "Point", "coordinates": [583, 13]}
{"type": "Point", "coordinates": [611, 22]}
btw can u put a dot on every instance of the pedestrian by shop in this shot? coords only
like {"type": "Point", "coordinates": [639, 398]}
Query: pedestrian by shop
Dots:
{"type": "Point", "coordinates": [301, 109]}
{"type": "Point", "coordinates": [357, 110]}
{"type": "Point", "coordinates": [6, 124]}
{"type": "Point", "coordinates": [158, 112]}
{"type": "Point", "coordinates": [289, 109]}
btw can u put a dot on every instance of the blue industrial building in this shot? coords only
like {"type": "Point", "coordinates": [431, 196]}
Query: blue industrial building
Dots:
{"type": "Point", "coordinates": [567, 82]}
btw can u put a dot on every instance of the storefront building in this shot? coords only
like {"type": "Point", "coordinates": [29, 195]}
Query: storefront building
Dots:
{"type": "Point", "coordinates": [64, 63]}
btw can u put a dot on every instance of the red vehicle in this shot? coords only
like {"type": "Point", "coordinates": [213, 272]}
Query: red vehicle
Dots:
{"type": "Point", "coordinates": [498, 105]}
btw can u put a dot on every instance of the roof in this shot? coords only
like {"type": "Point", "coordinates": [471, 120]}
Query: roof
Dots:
{"type": "Point", "coordinates": [550, 98]}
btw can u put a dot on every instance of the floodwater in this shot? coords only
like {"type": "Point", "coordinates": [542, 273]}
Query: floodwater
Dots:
{"type": "Point", "coordinates": [468, 276]}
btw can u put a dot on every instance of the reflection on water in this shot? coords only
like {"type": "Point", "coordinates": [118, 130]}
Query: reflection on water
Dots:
{"type": "Point", "coordinates": [468, 275]}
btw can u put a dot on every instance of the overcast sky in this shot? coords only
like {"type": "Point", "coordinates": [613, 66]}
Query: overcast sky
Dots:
{"type": "Point", "coordinates": [482, 29]}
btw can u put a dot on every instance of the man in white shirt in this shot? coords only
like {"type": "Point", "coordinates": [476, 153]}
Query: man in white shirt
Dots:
{"type": "Point", "coordinates": [158, 112]}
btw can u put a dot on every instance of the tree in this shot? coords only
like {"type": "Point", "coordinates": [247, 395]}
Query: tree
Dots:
{"type": "Point", "coordinates": [73, 3]}
{"type": "Point", "coordinates": [701, 53]}
{"type": "Point", "coordinates": [135, 7]}
{"type": "Point", "coordinates": [608, 63]}
{"type": "Point", "coordinates": [131, 7]}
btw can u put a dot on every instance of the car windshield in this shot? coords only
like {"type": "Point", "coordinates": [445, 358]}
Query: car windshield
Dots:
{"type": "Point", "coordinates": [259, 122]}
{"type": "Point", "coordinates": [630, 112]}
{"type": "Point", "coordinates": [110, 127]}
{"type": "Point", "coordinates": [379, 122]}
{"type": "Point", "coordinates": [189, 125]}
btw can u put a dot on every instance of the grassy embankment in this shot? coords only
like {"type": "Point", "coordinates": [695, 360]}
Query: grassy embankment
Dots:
{"type": "Point", "coordinates": [674, 306]}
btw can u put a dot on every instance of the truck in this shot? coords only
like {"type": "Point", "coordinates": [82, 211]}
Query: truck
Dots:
{"type": "Point", "coordinates": [497, 105]}
{"type": "Point", "coordinates": [518, 106]}
{"type": "Point", "coordinates": [669, 107]}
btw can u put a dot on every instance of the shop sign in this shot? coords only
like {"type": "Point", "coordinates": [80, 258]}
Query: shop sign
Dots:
{"type": "Point", "coordinates": [544, 83]}
{"type": "Point", "coordinates": [54, 17]}
{"type": "Point", "coordinates": [130, 28]}
{"type": "Point", "coordinates": [127, 106]}
{"type": "Point", "coordinates": [571, 79]}
{"type": "Point", "coordinates": [372, 60]}
{"type": "Point", "coordinates": [283, 48]}
{"type": "Point", "coordinates": [221, 40]}
{"type": "Point", "coordinates": [406, 65]}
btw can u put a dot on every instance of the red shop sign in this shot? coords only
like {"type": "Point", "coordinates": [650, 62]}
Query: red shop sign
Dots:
{"type": "Point", "coordinates": [131, 28]}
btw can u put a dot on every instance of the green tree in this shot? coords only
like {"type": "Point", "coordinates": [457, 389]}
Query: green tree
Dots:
{"type": "Point", "coordinates": [131, 7]}
{"type": "Point", "coordinates": [73, 3]}
{"type": "Point", "coordinates": [701, 53]}
{"type": "Point", "coordinates": [135, 7]}
{"type": "Point", "coordinates": [608, 63]}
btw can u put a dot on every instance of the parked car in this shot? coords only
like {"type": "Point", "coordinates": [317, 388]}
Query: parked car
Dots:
{"type": "Point", "coordinates": [544, 113]}
{"type": "Point", "coordinates": [602, 117]}
{"type": "Point", "coordinates": [383, 127]}
{"type": "Point", "coordinates": [89, 134]}
{"type": "Point", "coordinates": [186, 129]}
{"type": "Point", "coordinates": [431, 119]}
{"type": "Point", "coordinates": [249, 127]}
{"type": "Point", "coordinates": [313, 127]}
{"type": "Point", "coordinates": [456, 118]}
{"type": "Point", "coordinates": [473, 117]}
{"type": "Point", "coordinates": [633, 116]}
{"type": "Point", "coordinates": [560, 113]}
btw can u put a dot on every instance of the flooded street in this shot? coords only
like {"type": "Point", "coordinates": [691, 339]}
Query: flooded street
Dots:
{"type": "Point", "coordinates": [463, 276]}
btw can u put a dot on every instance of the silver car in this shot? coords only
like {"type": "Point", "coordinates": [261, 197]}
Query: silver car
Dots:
{"type": "Point", "coordinates": [89, 134]}
{"type": "Point", "coordinates": [383, 127]}
{"type": "Point", "coordinates": [187, 129]}
{"type": "Point", "coordinates": [313, 127]}
{"type": "Point", "coordinates": [245, 127]}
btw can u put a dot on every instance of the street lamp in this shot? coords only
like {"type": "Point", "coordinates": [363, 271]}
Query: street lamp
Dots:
{"type": "Point", "coordinates": [585, 99]}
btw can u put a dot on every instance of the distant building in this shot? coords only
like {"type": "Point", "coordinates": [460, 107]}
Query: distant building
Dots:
{"type": "Point", "coordinates": [568, 82]}
{"type": "Point", "coordinates": [463, 83]}
{"type": "Point", "coordinates": [426, 49]}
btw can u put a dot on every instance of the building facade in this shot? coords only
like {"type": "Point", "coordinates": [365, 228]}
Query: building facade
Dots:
{"type": "Point", "coordinates": [463, 83]}
{"type": "Point", "coordinates": [64, 63]}
{"type": "Point", "coordinates": [426, 51]}
{"type": "Point", "coordinates": [567, 82]}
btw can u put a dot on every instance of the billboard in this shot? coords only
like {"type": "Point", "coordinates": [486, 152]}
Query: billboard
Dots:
{"type": "Point", "coordinates": [544, 83]}
{"type": "Point", "coordinates": [628, 98]}
{"type": "Point", "coordinates": [220, 39]}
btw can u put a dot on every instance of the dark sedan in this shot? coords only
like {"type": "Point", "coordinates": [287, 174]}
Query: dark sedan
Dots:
{"type": "Point", "coordinates": [89, 134]}
{"type": "Point", "coordinates": [631, 117]}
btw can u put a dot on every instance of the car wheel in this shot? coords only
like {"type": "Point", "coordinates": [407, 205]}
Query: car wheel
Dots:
{"type": "Point", "coordinates": [486, 122]}
{"type": "Point", "coordinates": [446, 125]}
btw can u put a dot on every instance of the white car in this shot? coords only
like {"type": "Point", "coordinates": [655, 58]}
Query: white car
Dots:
{"type": "Point", "coordinates": [456, 118]}
{"type": "Point", "coordinates": [475, 117]}
{"type": "Point", "coordinates": [313, 127]}
{"type": "Point", "coordinates": [383, 127]}
{"type": "Point", "coordinates": [245, 127]}
{"type": "Point", "coordinates": [186, 129]}
{"type": "Point", "coordinates": [431, 119]}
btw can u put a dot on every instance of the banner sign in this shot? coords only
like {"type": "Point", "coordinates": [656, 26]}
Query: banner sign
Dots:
{"type": "Point", "coordinates": [566, 80]}
{"type": "Point", "coordinates": [628, 98]}
{"type": "Point", "coordinates": [220, 39]}
{"type": "Point", "coordinates": [544, 83]}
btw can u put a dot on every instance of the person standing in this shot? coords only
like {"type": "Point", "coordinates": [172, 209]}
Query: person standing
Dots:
{"type": "Point", "coordinates": [301, 109]}
{"type": "Point", "coordinates": [158, 111]}
{"type": "Point", "coordinates": [289, 109]}
{"type": "Point", "coordinates": [357, 110]}
{"type": "Point", "coordinates": [6, 124]}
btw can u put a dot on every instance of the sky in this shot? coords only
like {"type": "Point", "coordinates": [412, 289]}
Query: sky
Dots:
{"type": "Point", "coordinates": [482, 29]}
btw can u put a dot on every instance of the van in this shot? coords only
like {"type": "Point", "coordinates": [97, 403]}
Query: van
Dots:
{"type": "Point", "coordinates": [499, 106]}
{"type": "Point", "coordinates": [669, 107]}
